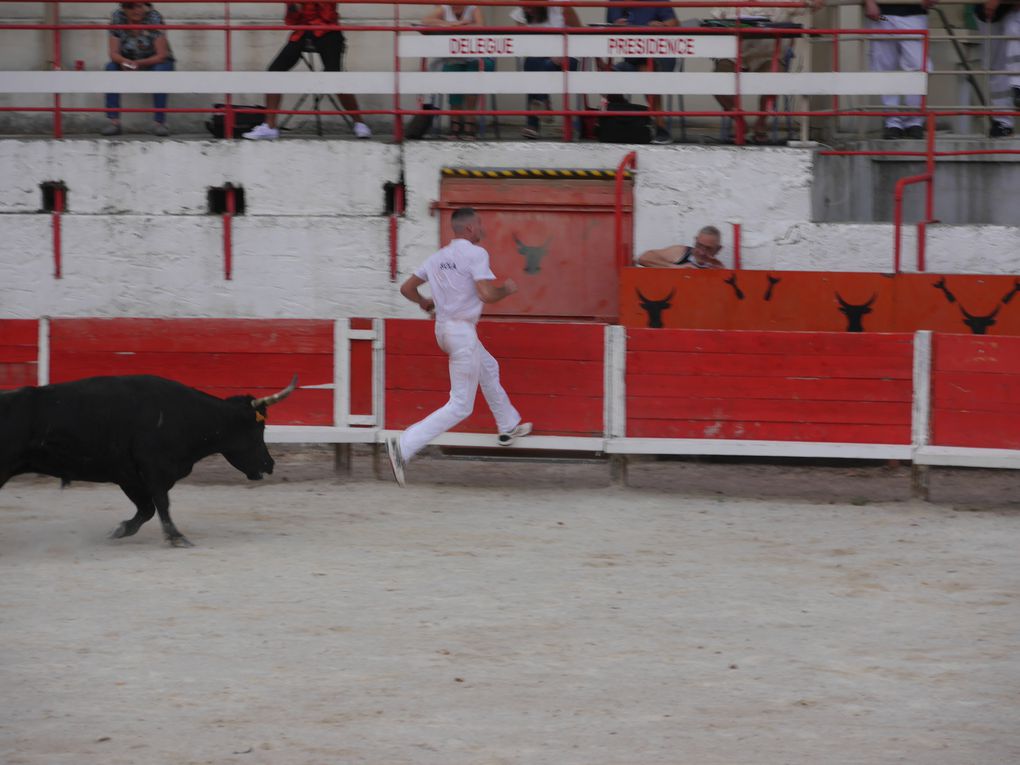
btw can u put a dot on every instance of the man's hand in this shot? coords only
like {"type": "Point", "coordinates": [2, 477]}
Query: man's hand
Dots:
{"type": "Point", "coordinates": [428, 305]}
{"type": "Point", "coordinates": [510, 286]}
{"type": "Point", "coordinates": [871, 10]}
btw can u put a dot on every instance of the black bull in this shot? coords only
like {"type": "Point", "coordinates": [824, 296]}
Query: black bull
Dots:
{"type": "Point", "coordinates": [142, 433]}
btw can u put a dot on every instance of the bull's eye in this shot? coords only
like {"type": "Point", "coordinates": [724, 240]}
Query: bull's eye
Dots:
{"type": "Point", "coordinates": [259, 417]}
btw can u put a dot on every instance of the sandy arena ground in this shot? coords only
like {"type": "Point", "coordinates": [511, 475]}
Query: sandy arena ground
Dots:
{"type": "Point", "coordinates": [516, 612]}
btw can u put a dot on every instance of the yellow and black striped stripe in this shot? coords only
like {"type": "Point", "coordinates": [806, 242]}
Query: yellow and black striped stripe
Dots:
{"type": "Point", "coordinates": [531, 172]}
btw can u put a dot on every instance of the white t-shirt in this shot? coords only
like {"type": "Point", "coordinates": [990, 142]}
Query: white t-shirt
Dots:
{"type": "Point", "coordinates": [451, 274]}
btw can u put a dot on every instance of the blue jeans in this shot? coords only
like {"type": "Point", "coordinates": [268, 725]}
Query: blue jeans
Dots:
{"type": "Point", "coordinates": [545, 64]}
{"type": "Point", "coordinates": [158, 99]}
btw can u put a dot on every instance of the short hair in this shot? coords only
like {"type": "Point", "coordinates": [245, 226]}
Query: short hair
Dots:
{"type": "Point", "coordinates": [462, 216]}
{"type": "Point", "coordinates": [711, 231]}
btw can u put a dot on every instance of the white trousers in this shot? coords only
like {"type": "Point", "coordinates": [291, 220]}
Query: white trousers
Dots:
{"type": "Point", "coordinates": [1003, 55]}
{"type": "Point", "coordinates": [470, 364]}
{"type": "Point", "coordinates": [896, 53]}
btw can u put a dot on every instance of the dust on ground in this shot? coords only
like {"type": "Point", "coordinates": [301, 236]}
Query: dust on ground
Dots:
{"type": "Point", "coordinates": [502, 611]}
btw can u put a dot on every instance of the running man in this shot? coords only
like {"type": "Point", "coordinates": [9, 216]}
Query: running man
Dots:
{"type": "Point", "coordinates": [461, 280]}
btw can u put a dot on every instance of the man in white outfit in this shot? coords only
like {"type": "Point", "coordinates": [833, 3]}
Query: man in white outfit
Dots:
{"type": "Point", "coordinates": [461, 281]}
{"type": "Point", "coordinates": [892, 53]}
{"type": "Point", "coordinates": [1001, 18]}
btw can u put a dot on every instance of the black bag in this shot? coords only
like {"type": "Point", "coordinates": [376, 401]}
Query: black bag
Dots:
{"type": "Point", "coordinates": [635, 129]}
{"type": "Point", "coordinates": [420, 124]}
{"type": "Point", "coordinates": [243, 121]}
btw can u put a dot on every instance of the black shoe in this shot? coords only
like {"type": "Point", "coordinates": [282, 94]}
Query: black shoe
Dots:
{"type": "Point", "coordinates": [892, 133]}
{"type": "Point", "coordinates": [662, 136]}
{"type": "Point", "coordinates": [1000, 130]}
{"type": "Point", "coordinates": [914, 131]}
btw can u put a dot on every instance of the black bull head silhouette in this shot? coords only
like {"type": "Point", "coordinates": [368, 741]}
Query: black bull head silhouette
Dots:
{"type": "Point", "coordinates": [855, 313]}
{"type": "Point", "coordinates": [654, 308]}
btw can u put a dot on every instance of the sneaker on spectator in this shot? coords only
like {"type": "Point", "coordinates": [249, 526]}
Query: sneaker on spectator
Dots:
{"type": "Point", "coordinates": [1000, 130]}
{"type": "Point", "coordinates": [892, 132]}
{"type": "Point", "coordinates": [361, 130]}
{"type": "Point", "coordinates": [531, 132]}
{"type": "Point", "coordinates": [160, 129]}
{"type": "Point", "coordinates": [396, 459]}
{"type": "Point", "coordinates": [262, 132]}
{"type": "Point", "coordinates": [505, 439]}
{"type": "Point", "coordinates": [662, 136]}
{"type": "Point", "coordinates": [914, 131]}
{"type": "Point", "coordinates": [112, 129]}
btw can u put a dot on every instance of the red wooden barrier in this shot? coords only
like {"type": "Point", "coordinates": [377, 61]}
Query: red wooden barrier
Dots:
{"type": "Point", "coordinates": [19, 352]}
{"type": "Point", "coordinates": [553, 373]}
{"type": "Point", "coordinates": [775, 386]}
{"type": "Point", "coordinates": [976, 391]}
{"type": "Point", "coordinates": [223, 357]}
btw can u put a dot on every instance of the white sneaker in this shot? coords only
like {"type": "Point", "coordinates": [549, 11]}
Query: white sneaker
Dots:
{"type": "Point", "coordinates": [262, 132]}
{"type": "Point", "coordinates": [396, 459]}
{"type": "Point", "coordinates": [361, 130]}
{"type": "Point", "coordinates": [505, 439]}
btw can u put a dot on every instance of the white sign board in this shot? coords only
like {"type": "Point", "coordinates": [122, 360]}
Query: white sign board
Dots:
{"type": "Point", "coordinates": [580, 46]}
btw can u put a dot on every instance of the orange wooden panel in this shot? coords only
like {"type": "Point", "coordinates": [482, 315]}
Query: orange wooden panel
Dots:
{"type": "Point", "coordinates": [221, 357]}
{"type": "Point", "coordinates": [19, 353]}
{"type": "Point", "coordinates": [964, 353]}
{"type": "Point", "coordinates": [555, 238]}
{"type": "Point", "coordinates": [768, 342]}
{"type": "Point", "coordinates": [552, 371]}
{"type": "Point", "coordinates": [811, 301]}
{"type": "Point", "coordinates": [768, 365]}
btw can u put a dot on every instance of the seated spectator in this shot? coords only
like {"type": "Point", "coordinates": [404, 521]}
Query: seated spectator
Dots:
{"type": "Point", "coordinates": [1002, 19]}
{"type": "Point", "coordinates": [543, 16]}
{"type": "Point", "coordinates": [900, 53]}
{"type": "Point", "coordinates": [330, 46]}
{"type": "Point", "coordinates": [756, 55]}
{"type": "Point", "coordinates": [137, 49]}
{"type": "Point", "coordinates": [460, 15]}
{"type": "Point", "coordinates": [707, 245]}
{"type": "Point", "coordinates": [647, 17]}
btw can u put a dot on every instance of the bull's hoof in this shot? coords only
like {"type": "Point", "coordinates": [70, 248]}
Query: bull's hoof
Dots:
{"type": "Point", "coordinates": [124, 530]}
{"type": "Point", "coordinates": [179, 541]}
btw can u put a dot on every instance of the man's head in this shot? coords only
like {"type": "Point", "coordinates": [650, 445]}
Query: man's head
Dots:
{"type": "Point", "coordinates": [707, 243]}
{"type": "Point", "coordinates": [466, 224]}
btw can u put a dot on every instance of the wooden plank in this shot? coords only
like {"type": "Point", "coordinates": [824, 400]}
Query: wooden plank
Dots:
{"type": "Point", "coordinates": [976, 353]}
{"type": "Point", "coordinates": [770, 431]}
{"type": "Point", "coordinates": [813, 389]}
{"type": "Point", "coordinates": [566, 378]}
{"type": "Point", "coordinates": [18, 332]}
{"type": "Point", "coordinates": [765, 342]}
{"type": "Point", "coordinates": [988, 430]}
{"type": "Point", "coordinates": [17, 375]}
{"type": "Point", "coordinates": [361, 376]}
{"type": "Point", "coordinates": [980, 392]}
{"type": "Point", "coordinates": [846, 367]}
{"type": "Point", "coordinates": [195, 368]}
{"type": "Point", "coordinates": [767, 410]}
{"type": "Point", "coordinates": [256, 336]}
{"type": "Point", "coordinates": [19, 354]}
{"type": "Point", "coordinates": [504, 340]}
{"type": "Point", "coordinates": [552, 415]}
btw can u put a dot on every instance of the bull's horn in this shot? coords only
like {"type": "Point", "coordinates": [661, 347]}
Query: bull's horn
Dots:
{"type": "Point", "coordinates": [276, 397]}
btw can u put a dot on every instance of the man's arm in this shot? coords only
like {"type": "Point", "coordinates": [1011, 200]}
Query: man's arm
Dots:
{"type": "Point", "coordinates": [409, 289]}
{"type": "Point", "coordinates": [490, 292]}
{"type": "Point", "coordinates": [664, 258]}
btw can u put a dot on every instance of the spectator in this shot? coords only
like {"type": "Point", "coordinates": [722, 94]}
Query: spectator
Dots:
{"type": "Point", "coordinates": [899, 53]}
{"type": "Point", "coordinates": [756, 55]}
{"type": "Point", "coordinates": [543, 16]}
{"type": "Point", "coordinates": [460, 15]}
{"type": "Point", "coordinates": [647, 17]}
{"type": "Point", "coordinates": [330, 46]}
{"type": "Point", "coordinates": [1002, 19]}
{"type": "Point", "coordinates": [707, 245]}
{"type": "Point", "coordinates": [137, 49]}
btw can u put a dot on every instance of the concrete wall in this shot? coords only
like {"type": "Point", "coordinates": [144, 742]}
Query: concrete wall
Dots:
{"type": "Point", "coordinates": [315, 239]}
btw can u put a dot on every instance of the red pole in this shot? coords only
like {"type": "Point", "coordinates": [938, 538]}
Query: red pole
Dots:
{"type": "Point", "coordinates": [228, 98]}
{"type": "Point", "coordinates": [622, 258]}
{"type": "Point", "coordinates": [58, 209]}
{"type": "Point", "coordinates": [228, 233]}
{"type": "Point", "coordinates": [58, 123]}
{"type": "Point", "coordinates": [398, 121]}
{"type": "Point", "coordinates": [736, 245]}
{"type": "Point", "coordinates": [568, 121]}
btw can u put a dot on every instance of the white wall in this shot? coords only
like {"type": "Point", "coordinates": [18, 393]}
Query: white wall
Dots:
{"type": "Point", "coordinates": [315, 240]}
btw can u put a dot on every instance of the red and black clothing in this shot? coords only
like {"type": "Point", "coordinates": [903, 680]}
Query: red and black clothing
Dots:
{"type": "Point", "coordinates": [329, 44]}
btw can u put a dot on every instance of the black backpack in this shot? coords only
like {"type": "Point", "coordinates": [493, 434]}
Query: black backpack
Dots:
{"type": "Point", "coordinates": [243, 121]}
{"type": "Point", "coordinates": [631, 129]}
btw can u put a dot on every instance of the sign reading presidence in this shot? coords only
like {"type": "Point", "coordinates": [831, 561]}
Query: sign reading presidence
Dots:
{"type": "Point", "coordinates": [434, 45]}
